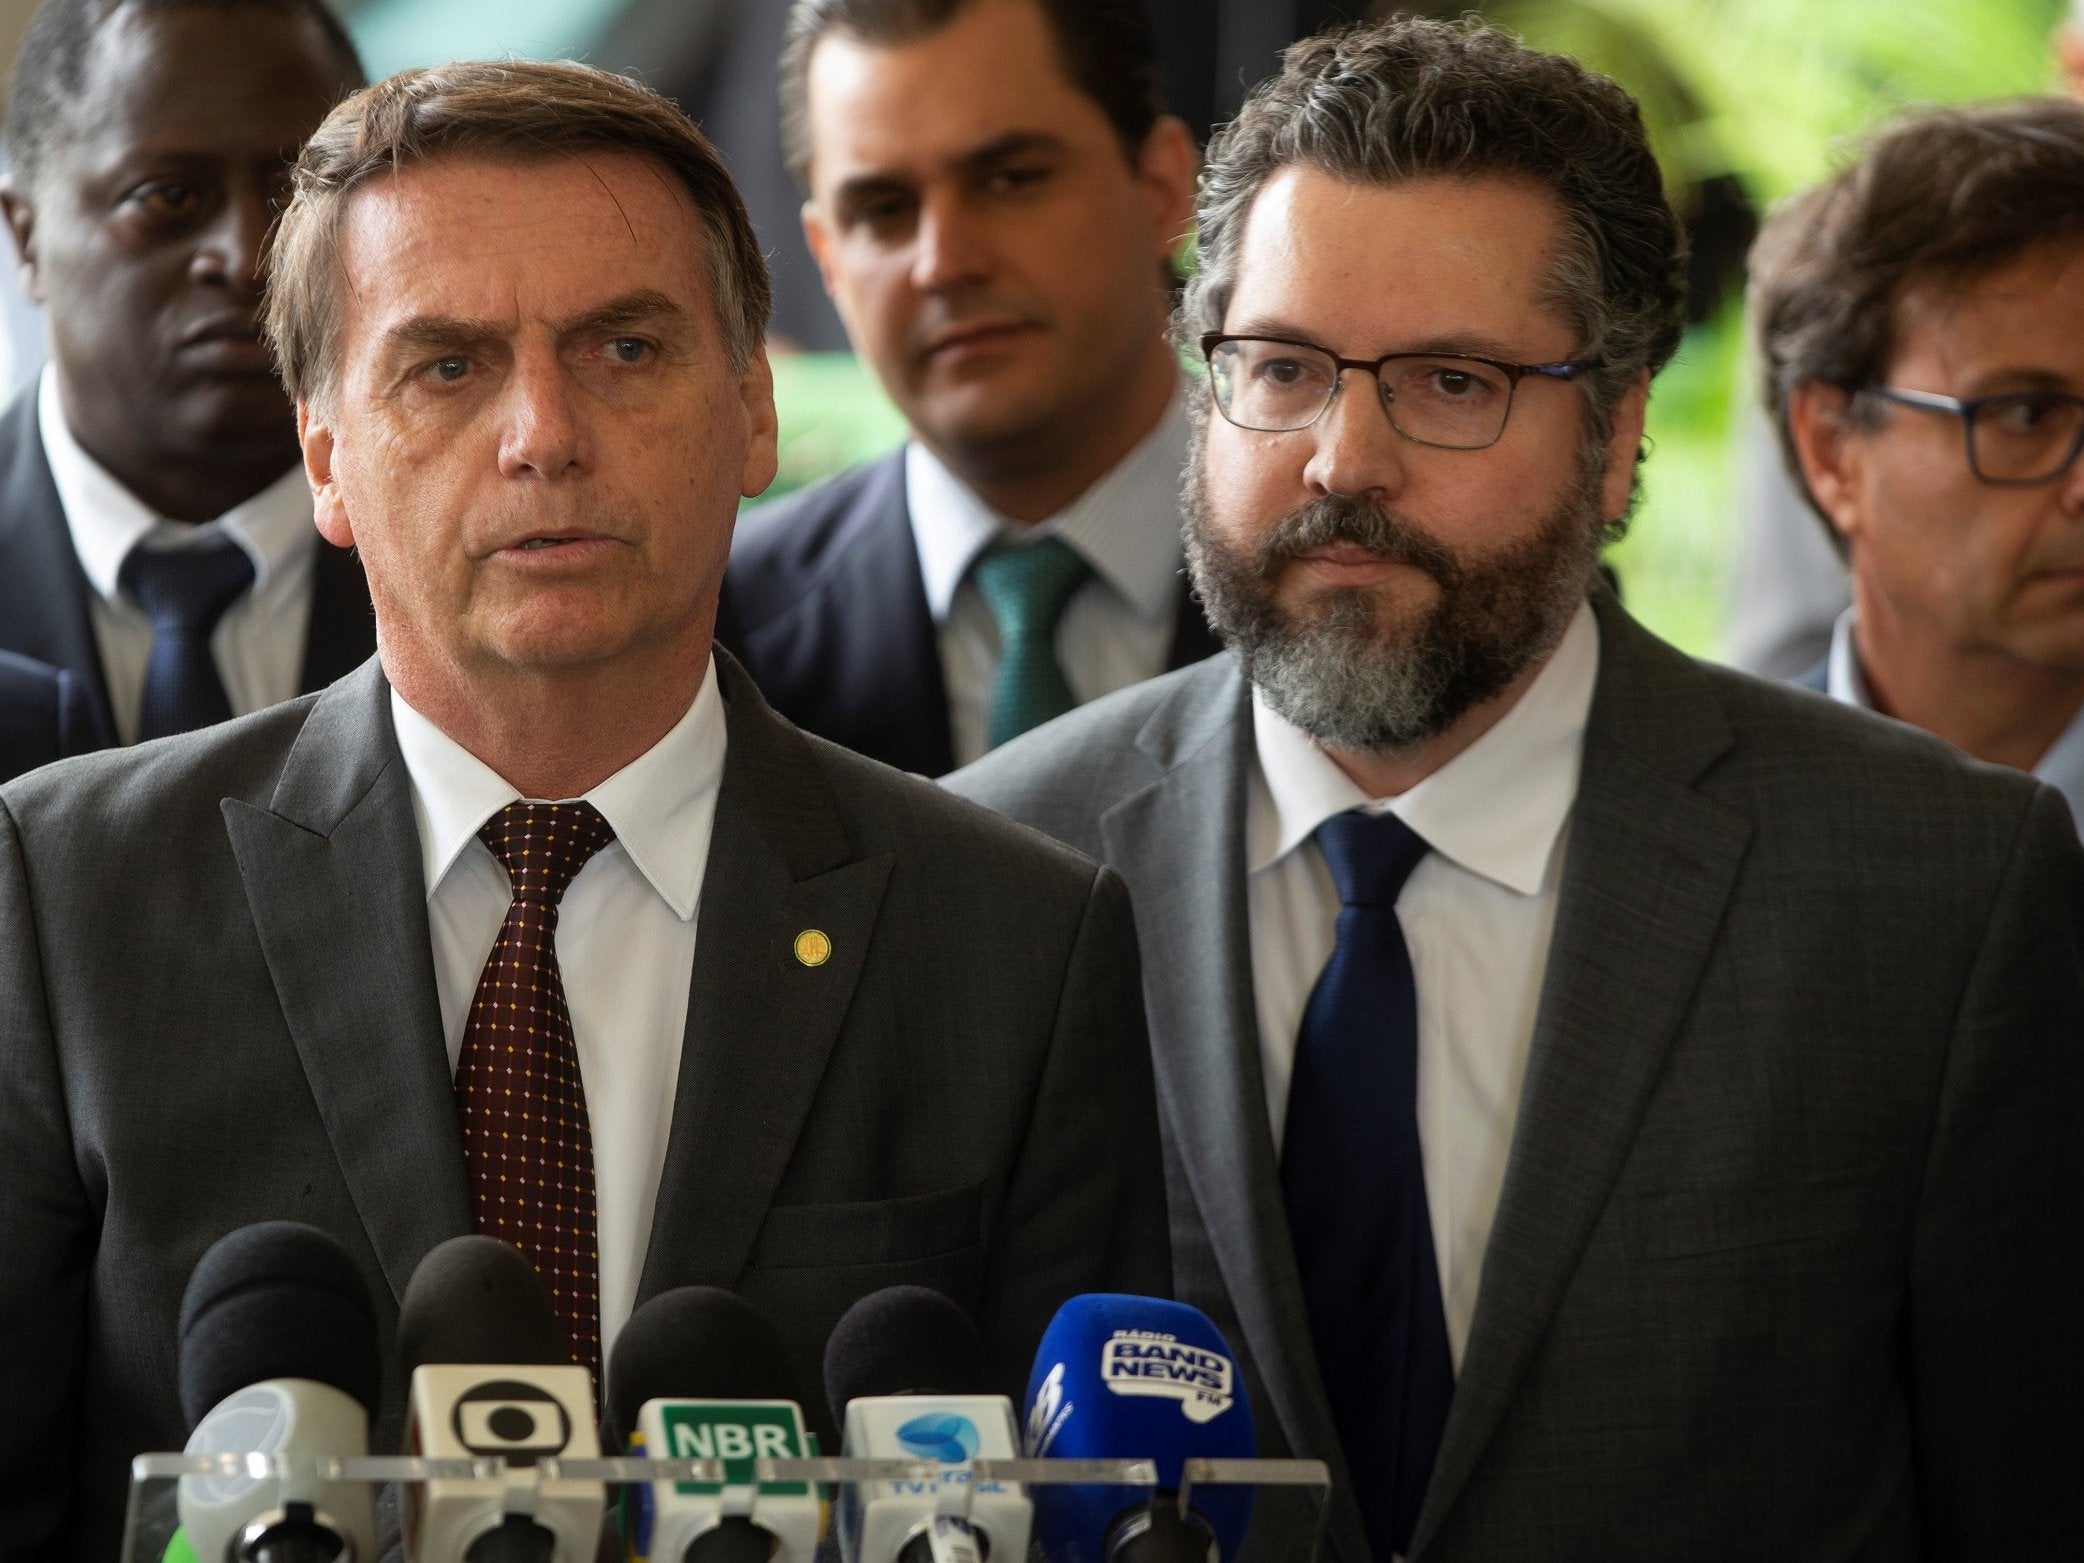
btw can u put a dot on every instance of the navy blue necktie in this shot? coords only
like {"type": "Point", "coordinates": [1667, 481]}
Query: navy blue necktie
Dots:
{"type": "Point", "coordinates": [1355, 1187]}
{"type": "Point", "coordinates": [184, 592]}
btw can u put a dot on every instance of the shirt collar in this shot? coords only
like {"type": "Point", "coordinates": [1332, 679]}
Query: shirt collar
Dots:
{"type": "Point", "coordinates": [1496, 809]}
{"type": "Point", "coordinates": [107, 520]}
{"type": "Point", "coordinates": [651, 803]}
{"type": "Point", "coordinates": [1843, 679]}
{"type": "Point", "coordinates": [1125, 525]}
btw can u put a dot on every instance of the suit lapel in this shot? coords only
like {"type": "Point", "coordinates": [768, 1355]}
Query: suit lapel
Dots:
{"type": "Point", "coordinates": [333, 878]}
{"type": "Point", "coordinates": [1649, 867]}
{"type": "Point", "coordinates": [43, 591]}
{"type": "Point", "coordinates": [761, 1023]}
{"type": "Point", "coordinates": [1180, 843]}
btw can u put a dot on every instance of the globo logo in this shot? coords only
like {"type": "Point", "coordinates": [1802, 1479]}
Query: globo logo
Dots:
{"type": "Point", "coordinates": [941, 1436]}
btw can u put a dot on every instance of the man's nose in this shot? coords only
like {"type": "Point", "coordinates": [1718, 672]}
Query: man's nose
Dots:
{"type": "Point", "coordinates": [1356, 450]}
{"type": "Point", "coordinates": [545, 428]}
{"type": "Point", "coordinates": [230, 246]}
{"type": "Point", "coordinates": [949, 247]}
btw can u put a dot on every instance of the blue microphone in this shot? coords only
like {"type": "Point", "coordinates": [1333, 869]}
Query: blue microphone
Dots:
{"type": "Point", "coordinates": [1137, 1378]}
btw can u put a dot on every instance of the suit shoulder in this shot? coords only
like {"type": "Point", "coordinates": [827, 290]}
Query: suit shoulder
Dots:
{"type": "Point", "coordinates": [1816, 763]}
{"type": "Point", "coordinates": [783, 546]}
{"type": "Point", "coordinates": [148, 790]}
{"type": "Point", "coordinates": [886, 809]}
{"type": "Point", "coordinates": [1063, 776]}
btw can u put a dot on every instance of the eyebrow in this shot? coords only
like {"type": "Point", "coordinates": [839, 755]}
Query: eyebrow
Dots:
{"type": "Point", "coordinates": [2018, 380]}
{"type": "Point", "coordinates": [976, 160]}
{"type": "Point", "coordinates": [1452, 345]}
{"type": "Point", "coordinates": [434, 333]}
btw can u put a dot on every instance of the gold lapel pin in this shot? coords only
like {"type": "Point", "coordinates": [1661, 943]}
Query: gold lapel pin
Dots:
{"type": "Point", "coordinates": [813, 947]}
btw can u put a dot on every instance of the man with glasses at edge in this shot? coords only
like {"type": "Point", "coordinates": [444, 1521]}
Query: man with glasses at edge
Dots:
{"type": "Point", "coordinates": [1617, 1106]}
{"type": "Point", "coordinates": [1920, 321]}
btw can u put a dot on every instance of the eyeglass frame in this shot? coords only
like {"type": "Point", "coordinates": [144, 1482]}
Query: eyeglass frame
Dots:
{"type": "Point", "coordinates": [1966, 410]}
{"type": "Point", "coordinates": [1566, 371]}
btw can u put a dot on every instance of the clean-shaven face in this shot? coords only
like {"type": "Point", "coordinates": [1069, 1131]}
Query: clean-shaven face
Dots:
{"type": "Point", "coordinates": [536, 437]}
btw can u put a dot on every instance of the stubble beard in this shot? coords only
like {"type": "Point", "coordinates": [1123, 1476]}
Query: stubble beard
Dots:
{"type": "Point", "coordinates": [1357, 676]}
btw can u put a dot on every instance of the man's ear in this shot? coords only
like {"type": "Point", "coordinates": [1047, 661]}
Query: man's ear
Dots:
{"type": "Point", "coordinates": [328, 511]}
{"type": "Point", "coordinates": [20, 213]}
{"type": "Point", "coordinates": [819, 238]}
{"type": "Point", "coordinates": [1623, 448]}
{"type": "Point", "coordinates": [756, 395]}
{"type": "Point", "coordinates": [1832, 458]}
{"type": "Point", "coordinates": [1167, 165]}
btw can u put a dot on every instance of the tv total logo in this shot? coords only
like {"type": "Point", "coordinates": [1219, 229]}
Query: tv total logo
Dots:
{"type": "Point", "coordinates": [1162, 1366]}
{"type": "Point", "coordinates": [945, 1437]}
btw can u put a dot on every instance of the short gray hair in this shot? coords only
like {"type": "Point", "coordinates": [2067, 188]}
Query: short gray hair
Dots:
{"type": "Point", "coordinates": [518, 110]}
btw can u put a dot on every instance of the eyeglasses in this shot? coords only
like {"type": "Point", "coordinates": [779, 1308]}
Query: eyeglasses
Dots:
{"type": "Point", "coordinates": [2017, 438]}
{"type": "Point", "coordinates": [1275, 386]}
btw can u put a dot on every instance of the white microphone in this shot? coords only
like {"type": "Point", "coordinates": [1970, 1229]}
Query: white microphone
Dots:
{"type": "Point", "coordinates": [278, 1356]}
{"type": "Point", "coordinates": [901, 1372]}
{"type": "Point", "coordinates": [491, 1377]}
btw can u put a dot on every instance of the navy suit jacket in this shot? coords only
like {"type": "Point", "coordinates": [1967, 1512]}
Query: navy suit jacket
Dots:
{"type": "Point", "coordinates": [825, 607]}
{"type": "Point", "coordinates": [46, 599]}
{"type": "Point", "coordinates": [45, 715]}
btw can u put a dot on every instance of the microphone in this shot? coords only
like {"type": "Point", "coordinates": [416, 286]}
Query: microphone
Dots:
{"type": "Point", "coordinates": [1125, 1378]}
{"type": "Point", "coordinates": [698, 1374]}
{"type": "Point", "coordinates": [278, 1356]}
{"type": "Point", "coordinates": [491, 1377]}
{"type": "Point", "coordinates": [906, 1376]}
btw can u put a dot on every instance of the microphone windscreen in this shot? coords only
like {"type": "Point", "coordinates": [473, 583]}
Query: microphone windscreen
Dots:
{"type": "Point", "coordinates": [277, 1299]}
{"type": "Point", "coordinates": [695, 1343]}
{"type": "Point", "coordinates": [903, 1340]}
{"type": "Point", "coordinates": [1119, 1377]}
{"type": "Point", "coordinates": [475, 1300]}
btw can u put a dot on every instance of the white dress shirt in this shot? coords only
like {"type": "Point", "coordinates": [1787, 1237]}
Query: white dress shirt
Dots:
{"type": "Point", "coordinates": [625, 944]}
{"type": "Point", "coordinates": [1478, 913]}
{"type": "Point", "coordinates": [1117, 628]}
{"type": "Point", "coordinates": [258, 644]}
{"type": "Point", "coordinates": [2062, 767]}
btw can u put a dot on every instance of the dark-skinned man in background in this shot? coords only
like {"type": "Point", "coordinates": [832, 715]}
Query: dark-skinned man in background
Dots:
{"type": "Point", "coordinates": [155, 529]}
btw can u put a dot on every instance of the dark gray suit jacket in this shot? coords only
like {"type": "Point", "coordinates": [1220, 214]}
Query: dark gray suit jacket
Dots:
{"type": "Point", "coordinates": [45, 596]}
{"type": "Point", "coordinates": [824, 605]}
{"type": "Point", "coordinates": [217, 1006]}
{"type": "Point", "coordinates": [1789, 1259]}
{"type": "Point", "coordinates": [45, 714]}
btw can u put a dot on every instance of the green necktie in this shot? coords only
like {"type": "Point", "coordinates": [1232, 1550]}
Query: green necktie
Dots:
{"type": "Point", "coordinates": [1026, 588]}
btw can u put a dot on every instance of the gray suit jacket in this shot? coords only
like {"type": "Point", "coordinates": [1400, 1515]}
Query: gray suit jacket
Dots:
{"type": "Point", "coordinates": [1789, 1257]}
{"type": "Point", "coordinates": [217, 1006]}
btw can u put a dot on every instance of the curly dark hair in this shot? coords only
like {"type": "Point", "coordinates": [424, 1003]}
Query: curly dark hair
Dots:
{"type": "Point", "coordinates": [1412, 98]}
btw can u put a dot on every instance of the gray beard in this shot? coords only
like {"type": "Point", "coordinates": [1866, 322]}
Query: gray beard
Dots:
{"type": "Point", "coordinates": [1354, 681]}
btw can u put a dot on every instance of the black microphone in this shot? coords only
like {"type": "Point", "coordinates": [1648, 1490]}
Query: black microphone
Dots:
{"type": "Point", "coordinates": [908, 1378]}
{"type": "Point", "coordinates": [698, 1374]}
{"type": "Point", "coordinates": [278, 1355]}
{"type": "Point", "coordinates": [491, 1377]}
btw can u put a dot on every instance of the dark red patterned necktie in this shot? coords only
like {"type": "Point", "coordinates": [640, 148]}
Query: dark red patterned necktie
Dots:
{"type": "Point", "coordinates": [525, 1134]}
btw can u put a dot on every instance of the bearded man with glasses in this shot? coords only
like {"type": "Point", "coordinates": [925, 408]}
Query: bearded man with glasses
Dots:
{"type": "Point", "coordinates": [1618, 1108]}
{"type": "Point", "coordinates": [1921, 337]}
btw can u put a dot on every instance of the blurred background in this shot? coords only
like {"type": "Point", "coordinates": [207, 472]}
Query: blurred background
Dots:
{"type": "Point", "coordinates": [1746, 101]}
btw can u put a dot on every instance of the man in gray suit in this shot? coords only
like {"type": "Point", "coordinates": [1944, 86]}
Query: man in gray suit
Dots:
{"type": "Point", "coordinates": [520, 310]}
{"type": "Point", "coordinates": [1682, 1159]}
